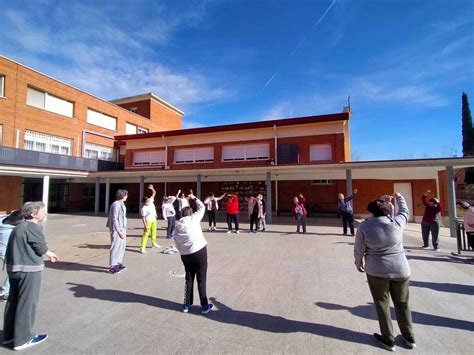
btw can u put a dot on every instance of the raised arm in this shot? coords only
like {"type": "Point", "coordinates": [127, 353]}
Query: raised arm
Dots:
{"type": "Point", "coordinates": [401, 217]}
{"type": "Point", "coordinates": [177, 194]}
{"type": "Point", "coordinates": [153, 191]}
{"type": "Point", "coordinates": [220, 197]}
{"type": "Point", "coordinates": [199, 214]}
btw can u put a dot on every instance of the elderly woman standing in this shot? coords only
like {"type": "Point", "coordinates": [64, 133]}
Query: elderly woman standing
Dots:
{"type": "Point", "coordinates": [24, 258]}
{"type": "Point", "coordinates": [379, 242]}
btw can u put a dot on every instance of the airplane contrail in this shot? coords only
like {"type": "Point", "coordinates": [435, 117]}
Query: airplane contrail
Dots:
{"type": "Point", "coordinates": [302, 41]}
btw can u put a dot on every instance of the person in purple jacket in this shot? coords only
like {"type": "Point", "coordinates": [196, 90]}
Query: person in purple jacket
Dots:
{"type": "Point", "coordinates": [344, 206]}
{"type": "Point", "coordinates": [431, 221]}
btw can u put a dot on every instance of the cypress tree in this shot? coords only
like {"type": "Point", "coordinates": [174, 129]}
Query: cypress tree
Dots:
{"type": "Point", "coordinates": [467, 137]}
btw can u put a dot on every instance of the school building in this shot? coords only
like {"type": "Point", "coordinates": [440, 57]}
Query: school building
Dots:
{"type": "Point", "coordinates": [74, 150]}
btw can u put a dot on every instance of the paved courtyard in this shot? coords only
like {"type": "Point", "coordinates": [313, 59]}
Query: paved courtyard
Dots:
{"type": "Point", "coordinates": [274, 292]}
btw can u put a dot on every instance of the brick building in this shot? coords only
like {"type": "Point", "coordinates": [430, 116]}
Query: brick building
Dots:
{"type": "Point", "coordinates": [74, 150]}
{"type": "Point", "coordinates": [41, 114]}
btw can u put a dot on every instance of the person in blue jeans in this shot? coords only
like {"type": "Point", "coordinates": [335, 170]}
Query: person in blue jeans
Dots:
{"type": "Point", "coordinates": [7, 224]}
{"type": "Point", "coordinates": [344, 206]}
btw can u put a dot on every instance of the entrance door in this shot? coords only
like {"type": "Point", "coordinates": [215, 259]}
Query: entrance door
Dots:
{"type": "Point", "coordinates": [405, 189]}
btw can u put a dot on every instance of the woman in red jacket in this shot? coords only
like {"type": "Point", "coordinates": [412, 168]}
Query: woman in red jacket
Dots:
{"type": "Point", "coordinates": [232, 209]}
{"type": "Point", "coordinates": [299, 212]}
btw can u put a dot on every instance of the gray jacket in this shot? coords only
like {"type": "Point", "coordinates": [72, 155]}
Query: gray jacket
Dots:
{"type": "Point", "coordinates": [117, 220]}
{"type": "Point", "coordinates": [380, 241]}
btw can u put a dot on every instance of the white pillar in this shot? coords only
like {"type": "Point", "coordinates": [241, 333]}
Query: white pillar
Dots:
{"type": "Point", "coordinates": [269, 197]}
{"type": "Point", "coordinates": [107, 195]}
{"type": "Point", "coordinates": [198, 186]}
{"type": "Point", "coordinates": [97, 196]}
{"type": "Point", "coordinates": [46, 191]}
{"type": "Point", "coordinates": [349, 182]}
{"type": "Point", "coordinates": [451, 200]}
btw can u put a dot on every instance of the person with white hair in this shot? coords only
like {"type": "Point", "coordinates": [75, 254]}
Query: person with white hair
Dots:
{"type": "Point", "coordinates": [24, 258]}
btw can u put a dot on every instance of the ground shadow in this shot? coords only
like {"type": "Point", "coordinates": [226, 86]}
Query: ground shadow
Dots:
{"type": "Point", "coordinates": [368, 312]}
{"type": "Point", "coordinates": [92, 246]}
{"type": "Point", "coordinates": [445, 259]}
{"type": "Point", "coordinates": [71, 266]}
{"type": "Point", "coordinates": [225, 314]}
{"type": "Point", "coordinates": [445, 287]}
{"type": "Point", "coordinates": [348, 243]}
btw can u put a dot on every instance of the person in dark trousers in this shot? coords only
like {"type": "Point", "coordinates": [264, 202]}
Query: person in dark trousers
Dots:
{"type": "Point", "coordinates": [117, 224]}
{"type": "Point", "coordinates": [431, 221]}
{"type": "Point", "coordinates": [192, 247]}
{"type": "Point", "coordinates": [254, 216]}
{"type": "Point", "coordinates": [24, 259]}
{"type": "Point", "coordinates": [299, 212]}
{"type": "Point", "coordinates": [211, 208]}
{"type": "Point", "coordinates": [232, 209]}
{"type": "Point", "coordinates": [379, 242]}
{"type": "Point", "coordinates": [346, 211]}
{"type": "Point", "coordinates": [169, 214]}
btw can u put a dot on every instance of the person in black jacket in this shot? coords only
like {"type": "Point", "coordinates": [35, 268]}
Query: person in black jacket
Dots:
{"type": "Point", "coordinates": [24, 259]}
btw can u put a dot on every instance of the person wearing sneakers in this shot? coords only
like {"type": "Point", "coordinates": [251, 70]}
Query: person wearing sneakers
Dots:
{"type": "Point", "coordinates": [169, 214]}
{"type": "Point", "coordinates": [211, 208]}
{"type": "Point", "coordinates": [24, 258]}
{"type": "Point", "coordinates": [232, 209]}
{"type": "Point", "coordinates": [431, 221]}
{"type": "Point", "coordinates": [192, 247]}
{"type": "Point", "coordinates": [379, 242]}
{"type": "Point", "coordinates": [299, 213]}
{"type": "Point", "coordinates": [344, 206]}
{"type": "Point", "coordinates": [117, 224]}
{"type": "Point", "coordinates": [149, 218]}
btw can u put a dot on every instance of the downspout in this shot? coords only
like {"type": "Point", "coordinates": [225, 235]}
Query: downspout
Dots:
{"type": "Point", "coordinates": [276, 144]}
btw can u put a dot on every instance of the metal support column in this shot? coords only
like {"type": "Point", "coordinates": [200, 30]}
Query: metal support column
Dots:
{"type": "Point", "coordinates": [269, 198]}
{"type": "Point", "coordinates": [107, 195]}
{"type": "Point", "coordinates": [451, 200]}
{"type": "Point", "coordinates": [198, 186]}
{"type": "Point", "coordinates": [141, 190]}
{"type": "Point", "coordinates": [45, 198]}
{"type": "Point", "coordinates": [97, 196]}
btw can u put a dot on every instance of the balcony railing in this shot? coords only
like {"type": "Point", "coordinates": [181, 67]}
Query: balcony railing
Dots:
{"type": "Point", "coordinates": [30, 158]}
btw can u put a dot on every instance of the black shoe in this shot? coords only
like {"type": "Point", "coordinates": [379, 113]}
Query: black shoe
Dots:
{"type": "Point", "coordinates": [389, 345]}
{"type": "Point", "coordinates": [409, 341]}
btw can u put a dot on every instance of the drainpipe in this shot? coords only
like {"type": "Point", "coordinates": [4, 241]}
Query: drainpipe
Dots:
{"type": "Point", "coordinates": [276, 144]}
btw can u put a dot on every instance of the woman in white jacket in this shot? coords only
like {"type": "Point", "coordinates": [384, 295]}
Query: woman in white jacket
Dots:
{"type": "Point", "coordinates": [191, 244]}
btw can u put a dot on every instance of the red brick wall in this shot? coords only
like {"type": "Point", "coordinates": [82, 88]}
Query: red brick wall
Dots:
{"type": "Point", "coordinates": [335, 140]}
{"type": "Point", "coordinates": [10, 192]}
{"type": "Point", "coordinates": [167, 118]}
{"type": "Point", "coordinates": [16, 114]}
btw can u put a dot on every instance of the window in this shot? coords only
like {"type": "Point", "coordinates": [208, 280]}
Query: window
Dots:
{"type": "Point", "coordinates": [155, 157]}
{"type": "Point", "coordinates": [322, 182]}
{"type": "Point", "coordinates": [96, 151]}
{"type": "Point", "coordinates": [42, 142]}
{"type": "Point", "coordinates": [49, 102]}
{"type": "Point", "coordinates": [130, 128]}
{"type": "Point", "coordinates": [2, 86]}
{"type": "Point", "coordinates": [101, 119]}
{"type": "Point", "coordinates": [320, 152]}
{"type": "Point", "coordinates": [142, 130]}
{"type": "Point", "coordinates": [200, 155]}
{"type": "Point", "coordinates": [246, 152]}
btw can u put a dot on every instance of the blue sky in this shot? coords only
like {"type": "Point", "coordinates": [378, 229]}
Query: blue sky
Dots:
{"type": "Point", "coordinates": [404, 63]}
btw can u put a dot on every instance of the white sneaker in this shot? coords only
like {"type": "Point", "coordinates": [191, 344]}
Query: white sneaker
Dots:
{"type": "Point", "coordinates": [142, 251]}
{"type": "Point", "coordinates": [437, 249]}
{"type": "Point", "coordinates": [209, 229]}
{"type": "Point", "coordinates": [237, 232]}
{"type": "Point", "coordinates": [425, 248]}
{"type": "Point", "coordinates": [229, 232]}
{"type": "Point", "coordinates": [37, 339]}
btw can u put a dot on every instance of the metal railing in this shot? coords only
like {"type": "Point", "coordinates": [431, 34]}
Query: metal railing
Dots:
{"type": "Point", "coordinates": [461, 236]}
{"type": "Point", "coordinates": [30, 158]}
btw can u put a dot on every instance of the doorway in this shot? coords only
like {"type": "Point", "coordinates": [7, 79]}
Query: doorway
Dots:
{"type": "Point", "coordinates": [405, 189]}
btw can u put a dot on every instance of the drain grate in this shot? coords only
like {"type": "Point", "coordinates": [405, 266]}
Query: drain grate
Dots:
{"type": "Point", "coordinates": [178, 272]}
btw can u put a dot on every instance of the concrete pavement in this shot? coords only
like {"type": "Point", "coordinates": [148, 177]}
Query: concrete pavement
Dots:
{"type": "Point", "coordinates": [274, 292]}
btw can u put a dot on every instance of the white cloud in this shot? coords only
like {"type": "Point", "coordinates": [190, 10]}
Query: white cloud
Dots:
{"type": "Point", "coordinates": [106, 54]}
